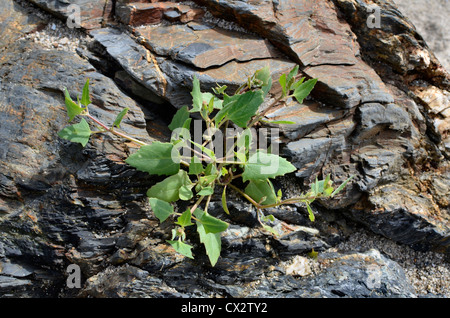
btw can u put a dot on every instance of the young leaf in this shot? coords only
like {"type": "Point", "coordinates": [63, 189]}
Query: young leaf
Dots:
{"type": "Point", "coordinates": [279, 122]}
{"type": "Point", "coordinates": [161, 209]}
{"type": "Point", "coordinates": [169, 189]}
{"type": "Point", "coordinates": [206, 191]}
{"type": "Point", "coordinates": [182, 248]}
{"type": "Point", "coordinates": [342, 186]}
{"type": "Point", "coordinates": [73, 109]}
{"type": "Point", "coordinates": [282, 81]}
{"type": "Point", "coordinates": [210, 223]}
{"type": "Point", "coordinates": [179, 118]}
{"type": "Point", "coordinates": [185, 219]}
{"type": "Point", "coordinates": [302, 91]}
{"type": "Point", "coordinates": [197, 97]}
{"type": "Point", "coordinates": [120, 116]}
{"type": "Point", "coordinates": [264, 76]}
{"type": "Point", "coordinates": [262, 165]}
{"type": "Point", "coordinates": [85, 98]}
{"type": "Point", "coordinates": [156, 159]}
{"type": "Point", "coordinates": [210, 98]}
{"type": "Point", "coordinates": [310, 212]}
{"type": "Point", "coordinates": [240, 108]}
{"type": "Point", "coordinates": [291, 78]}
{"type": "Point", "coordinates": [77, 133]}
{"type": "Point", "coordinates": [259, 189]}
{"type": "Point", "coordinates": [224, 201]}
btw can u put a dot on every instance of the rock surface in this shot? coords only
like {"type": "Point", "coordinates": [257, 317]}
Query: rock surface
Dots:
{"type": "Point", "coordinates": [380, 112]}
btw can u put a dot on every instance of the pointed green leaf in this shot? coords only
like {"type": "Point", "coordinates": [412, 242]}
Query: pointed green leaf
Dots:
{"type": "Point", "coordinates": [270, 229]}
{"type": "Point", "coordinates": [179, 118]}
{"type": "Point", "coordinates": [120, 116]}
{"type": "Point", "coordinates": [212, 243]}
{"type": "Point", "coordinates": [197, 97]}
{"type": "Point", "coordinates": [182, 248]}
{"type": "Point", "coordinates": [77, 133]}
{"type": "Point", "coordinates": [206, 191]}
{"type": "Point", "coordinates": [224, 201]}
{"type": "Point", "coordinates": [210, 223]}
{"type": "Point", "coordinates": [156, 159]}
{"type": "Point", "coordinates": [342, 186]}
{"type": "Point", "coordinates": [310, 212]}
{"type": "Point", "coordinates": [161, 209]}
{"type": "Point", "coordinates": [262, 165]}
{"type": "Point", "coordinates": [240, 108]}
{"type": "Point", "coordinates": [291, 78]}
{"type": "Point", "coordinates": [279, 122]}
{"type": "Point", "coordinates": [73, 109]}
{"type": "Point", "coordinates": [169, 189]}
{"type": "Point", "coordinates": [85, 98]}
{"type": "Point", "coordinates": [185, 219]}
{"type": "Point", "coordinates": [302, 91]}
{"type": "Point", "coordinates": [259, 189]}
{"type": "Point", "coordinates": [282, 81]}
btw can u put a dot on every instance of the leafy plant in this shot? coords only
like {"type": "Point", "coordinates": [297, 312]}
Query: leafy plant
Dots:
{"type": "Point", "coordinates": [195, 170]}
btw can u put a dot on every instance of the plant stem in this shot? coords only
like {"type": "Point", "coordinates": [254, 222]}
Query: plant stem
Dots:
{"type": "Point", "coordinates": [111, 130]}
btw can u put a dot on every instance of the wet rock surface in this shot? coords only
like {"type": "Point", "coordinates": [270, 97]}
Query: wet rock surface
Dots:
{"type": "Point", "coordinates": [380, 112]}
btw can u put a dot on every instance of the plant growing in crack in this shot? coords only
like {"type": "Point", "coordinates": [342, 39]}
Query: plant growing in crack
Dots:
{"type": "Point", "coordinates": [224, 158]}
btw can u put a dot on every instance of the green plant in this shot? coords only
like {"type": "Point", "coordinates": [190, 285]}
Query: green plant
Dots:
{"type": "Point", "coordinates": [195, 170]}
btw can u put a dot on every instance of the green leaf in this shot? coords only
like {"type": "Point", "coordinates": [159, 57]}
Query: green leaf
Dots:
{"type": "Point", "coordinates": [291, 78]}
{"type": "Point", "coordinates": [120, 116]}
{"type": "Point", "coordinates": [279, 122]}
{"type": "Point", "coordinates": [197, 97]}
{"type": "Point", "coordinates": [259, 189]}
{"type": "Point", "coordinates": [195, 166]}
{"type": "Point", "coordinates": [302, 91]}
{"type": "Point", "coordinates": [216, 102]}
{"type": "Point", "coordinates": [169, 189]}
{"type": "Point", "coordinates": [85, 99]}
{"type": "Point", "coordinates": [77, 133]}
{"type": "Point", "coordinates": [342, 186]}
{"type": "Point", "coordinates": [73, 109]}
{"type": "Point", "coordinates": [262, 165]}
{"type": "Point", "coordinates": [264, 76]}
{"type": "Point", "coordinates": [224, 201]}
{"type": "Point", "coordinates": [182, 248]}
{"type": "Point", "coordinates": [310, 212]}
{"type": "Point", "coordinates": [212, 243]}
{"type": "Point", "coordinates": [185, 219]}
{"type": "Point", "coordinates": [156, 159]}
{"type": "Point", "coordinates": [185, 193]}
{"type": "Point", "coordinates": [270, 229]}
{"type": "Point", "coordinates": [240, 108]}
{"type": "Point", "coordinates": [179, 118]}
{"type": "Point", "coordinates": [161, 209]}
{"type": "Point", "coordinates": [219, 90]}
{"type": "Point", "coordinates": [206, 191]}
{"type": "Point", "coordinates": [282, 81]}
{"type": "Point", "coordinates": [210, 223]}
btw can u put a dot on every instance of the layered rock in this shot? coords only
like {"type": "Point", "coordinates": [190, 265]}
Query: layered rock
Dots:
{"type": "Point", "coordinates": [379, 112]}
